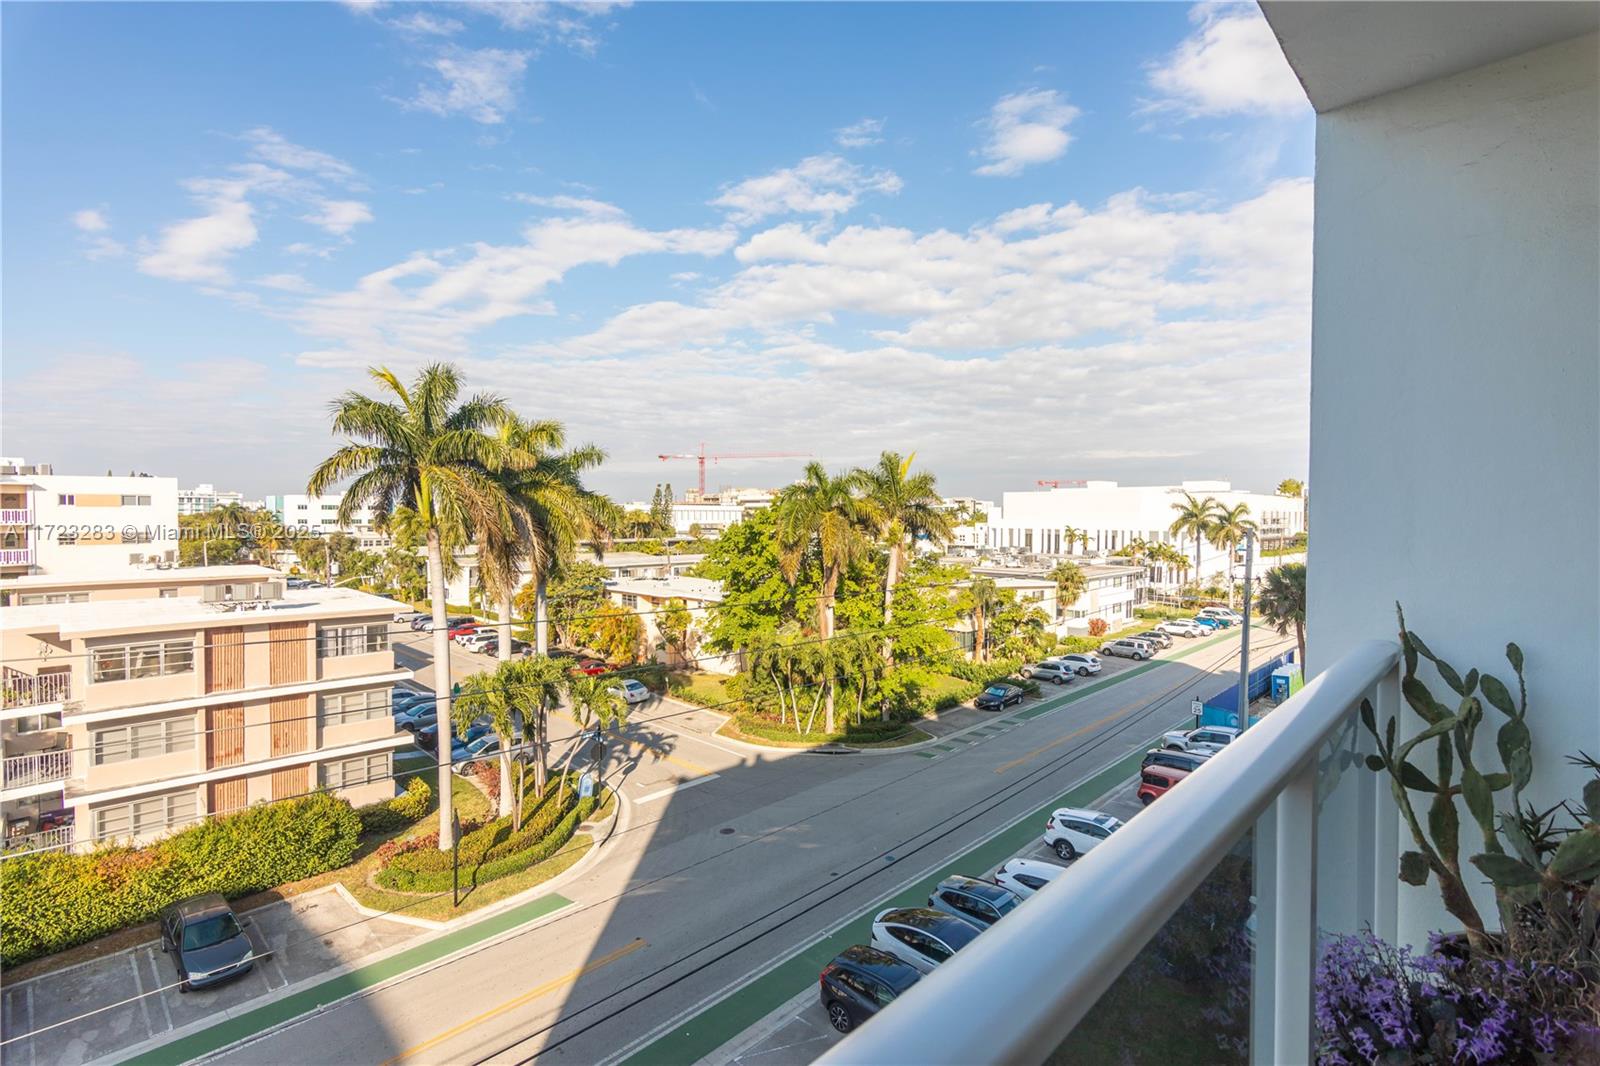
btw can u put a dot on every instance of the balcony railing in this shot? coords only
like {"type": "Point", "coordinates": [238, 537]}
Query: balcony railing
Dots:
{"type": "Point", "coordinates": [1283, 834]}
{"type": "Point", "coordinates": [18, 689]}
{"type": "Point", "coordinates": [16, 556]}
{"type": "Point", "coordinates": [16, 516]}
{"type": "Point", "coordinates": [35, 768]}
{"type": "Point", "coordinates": [59, 838]}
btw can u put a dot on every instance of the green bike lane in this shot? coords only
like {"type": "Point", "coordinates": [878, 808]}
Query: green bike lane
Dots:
{"type": "Point", "coordinates": [692, 1039]}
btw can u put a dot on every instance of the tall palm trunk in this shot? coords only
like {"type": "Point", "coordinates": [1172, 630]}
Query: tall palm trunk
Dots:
{"type": "Point", "coordinates": [1300, 643]}
{"type": "Point", "coordinates": [980, 634]}
{"type": "Point", "coordinates": [441, 686]}
{"type": "Point", "coordinates": [541, 614]}
{"type": "Point", "coordinates": [830, 585]}
{"type": "Point", "coordinates": [504, 655]}
{"type": "Point", "coordinates": [541, 773]}
{"type": "Point", "coordinates": [891, 578]}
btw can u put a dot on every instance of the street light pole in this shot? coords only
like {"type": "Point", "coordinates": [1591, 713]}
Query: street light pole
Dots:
{"type": "Point", "coordinates": [1244, 638]}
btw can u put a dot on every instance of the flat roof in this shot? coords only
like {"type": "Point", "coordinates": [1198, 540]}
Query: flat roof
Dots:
{"type": "Point", "coordinates": [690, 588]}
{"type": "Point", "coordinates": [145, 576]}
{"type": "Point", "coordinates": [181, 612]}
{"type": "Point", "coordinates": [644, 558]}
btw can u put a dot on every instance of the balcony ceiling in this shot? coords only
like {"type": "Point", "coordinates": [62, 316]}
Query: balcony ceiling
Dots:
{"type": "Point", "coordinates": [1343, 52]}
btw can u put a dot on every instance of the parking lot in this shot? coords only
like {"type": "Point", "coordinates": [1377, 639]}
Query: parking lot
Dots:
{"type": "Point", "coordinates": [131, 996]}
{"type": "Point", "coordinates": [798, 1032]}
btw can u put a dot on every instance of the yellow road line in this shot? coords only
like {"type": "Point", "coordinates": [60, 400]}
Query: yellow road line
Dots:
{"type": "Point", "coordinates": [511, 1004]}
{"type": "Point", "coordinates": [698, 770]}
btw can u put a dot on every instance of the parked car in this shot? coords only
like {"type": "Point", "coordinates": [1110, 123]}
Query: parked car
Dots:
{"type": "Point", "coordinates": [861, 981]}
{"type": "Point", "coordinates": [980, 902]}
{"type": "Point", "coordinates": [1071, 831]}
{"type": "Point", "coordinates": [1154, 636]}
{"type": "Point", "coordinates": [1084, 663]}
{"type": "Point", "coordinates": [921, 937]}
{"type": "Point", "coordinates": [1182, 627]}
{"type": "Point", "coordinates": [206, 940]}
{"type": "Point", "coordinates": [1187, 761]}
{"type": "Point", "coordinates": [409, 617]}
{"type": "Point", "coordinates": [417, 716]}
{"type": "Point", "coordinates": [1024, 877]}
{"type": "Point", "coordinates": [428, 735]}
{"type": "Point", "coordinates": [463, 754]}
{"type": "Point", "coordinates": [405, 697]}
{"type": "Point", "coordinates": [1220, 615]}
{"type": "Point", "coordinates": [1209, 739]}
{"type": "Point", "coordinates": [997, 697]}
{"type": "Point", "coordinates": [423, 622]}
{"type": "Point", "coordinates": [295, 583]}
{"type": "Point", "coordinates": [491, 646]}
{"type": "Point", "coordinates": [632, 691]}
{"type": "Point", "coordinates": [1207, 623]}
{"type": "Point", "coordinates": [1128, 648]}
{"type": "Point", "coordinates": [1157, 781]}
{"type": "Point", "coordinates": [1049, 670]}
{"type": "Point", "coordinates": [460, 627]}
{"type": "Point", "coordinates": [591, 667]}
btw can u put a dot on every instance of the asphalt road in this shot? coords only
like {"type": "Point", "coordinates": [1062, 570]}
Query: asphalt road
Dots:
{"type": "Point", "coordinates": [726, 859]}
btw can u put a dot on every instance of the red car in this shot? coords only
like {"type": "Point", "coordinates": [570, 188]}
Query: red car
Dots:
{"type": "Point", "coordinates": [592, 667]}
{"type": "Point", "coordinates": [1157, 781]}
{"type": "Point", "coordinates": [461, 629]}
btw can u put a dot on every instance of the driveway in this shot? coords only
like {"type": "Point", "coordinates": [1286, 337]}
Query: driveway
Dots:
{"type": "Point", "coordinates": [124, 999]}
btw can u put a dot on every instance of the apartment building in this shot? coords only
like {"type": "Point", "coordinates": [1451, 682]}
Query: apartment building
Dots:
{"type": "Point", "coordinates": [320, 515]}
{"type": "Point", "coordinates": [135, 706]}
{"type": "Point", "coordinates": [79, 524]}
{"type": "Point", "coordinates": [203, 499]}
{"type": "Point", "coordinates": [1112, 593]}
{"type": "Point", "coordinates": [618, 565]}
{"type": "Point", "coordinates": [649, 597]}
{"type": "Point", "coordinates": [1111, 516]}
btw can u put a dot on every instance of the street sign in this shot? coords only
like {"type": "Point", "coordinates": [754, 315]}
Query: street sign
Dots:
{"type": "Point", "coordinates": [586, 786]}
{"type": "Point", "coordinates": [1195, 706]}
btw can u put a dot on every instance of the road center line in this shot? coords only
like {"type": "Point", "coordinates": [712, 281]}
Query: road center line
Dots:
{"type": "Point", "coordinates": [511, 1004]}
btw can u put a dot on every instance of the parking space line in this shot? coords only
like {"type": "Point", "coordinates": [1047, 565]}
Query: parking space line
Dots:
{"type": "Point", "coordinates": [155, 975]}
{"type": "Point", "coordinates": [517, 1001]}
{"type": "Point", "coordinates": [138, 984]}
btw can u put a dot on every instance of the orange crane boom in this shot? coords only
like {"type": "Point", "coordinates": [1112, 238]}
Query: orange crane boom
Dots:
{"type": "Point", "coordinates": [702, 455]}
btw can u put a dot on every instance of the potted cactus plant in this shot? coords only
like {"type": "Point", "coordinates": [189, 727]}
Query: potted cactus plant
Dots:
{"type": "Point", "coordinates": [1525, 987]}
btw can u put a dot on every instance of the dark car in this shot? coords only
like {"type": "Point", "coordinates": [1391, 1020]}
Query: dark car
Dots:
{"type": "Point", "coordinates": [1156, 637]}
{"type": "Point", "coordinates": [492, 647]}
{"type": "Point", "coordinates": [860, 982]}
{"type": "Point", "coordinates": [206, 940]}
{"type": "Point", "coordinates": [428, 735]}
{"type": "Point", "coordinates": [980, 902]}
{"type": "Point", "coordinates": [1187, 761]}
{"type": "Point", "coordinates": [997, 697]}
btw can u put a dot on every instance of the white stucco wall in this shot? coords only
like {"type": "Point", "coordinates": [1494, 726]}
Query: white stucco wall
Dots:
{"type": "Point", "coordinates": [1454, 389]}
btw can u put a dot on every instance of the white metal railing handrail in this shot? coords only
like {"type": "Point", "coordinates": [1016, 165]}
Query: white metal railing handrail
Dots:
{"type": "Point", "coordinates": [36, 767]}
{"type": "Point", "coordinates": [1017, 992]}
{"type": "Point", "coordinates": [43, 840]}
{"type": "Point", "coordinates": [18, 689]}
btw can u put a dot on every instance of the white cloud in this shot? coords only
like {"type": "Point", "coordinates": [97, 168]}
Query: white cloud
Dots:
{"type": "Point", "coordinates": [582, 205]}
{"type": "Point", "coordinates": [198, 249]}
{"type": "Point", "coordinates": [91, 220]}
{"type": "Point", "coordinates": [270, 146]}
{"type": "Point", "coordinates": [571, 24]}
{"type": "Point", "coordinates": [420, 22]}
{"type": "Point", "coordinates": [818, 185]}
{"type": "Point", "coordinates": [284, 283]}
{"type": "Point", "coordinates": [339, 217]}
{"type": "Point", "coordinates": [479, 83]}
{"type": "Point", "coordinates": [1230, 64]}
{"type": "Point", "coordinates": [1026, 128]}
{"type": "Point", "coordinates": [860, 134]}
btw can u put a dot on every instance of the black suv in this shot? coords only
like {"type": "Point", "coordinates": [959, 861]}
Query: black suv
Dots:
{"type": "Point", "coordinates": [1174, 760]}
{"type": "Point", "coordinates": [861, 982]}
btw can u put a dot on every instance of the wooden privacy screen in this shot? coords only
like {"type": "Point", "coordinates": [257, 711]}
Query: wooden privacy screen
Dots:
{"type": "Point", "coordinates": [292, 782]}
{"type": "Point", "coordinates": [290, 643]}
{"type": "Point", "coordinates": [289, 725]}
{"type": "Point", "coordinates": [225, 736]}
{"type": "Point", "coordinates": [225, 659]}
{"type": "Point", "coordinates": [227, 796]}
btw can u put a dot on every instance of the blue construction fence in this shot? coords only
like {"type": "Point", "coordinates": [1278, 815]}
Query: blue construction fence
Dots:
{"type": "Point", "coordinates": [1223, 708]}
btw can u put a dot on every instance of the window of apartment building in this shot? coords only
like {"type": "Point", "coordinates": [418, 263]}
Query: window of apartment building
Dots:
{"type": "Point", "coordinates": [167, 594]}
{"type": "Point", "coordinates": [34, 599]}
{"type": "Point", "coordinates": [38, 723]}
{"type": "Point", "coordinates": [362, 770]}
{"type": "Point", "coordinates": [149, 815]}
{"type": "Point", "coordinates": [136, 501]}
{"type": "Point", "coordinates": [120, 662]}
{"type": "Point", "coordinates": [330, 507]}
{"type": "Point", "coordinates": [351, 640]}
{"type": "Point", "coordinates": [341, 708]}
{"type": "Point", "coordinates": [143, 740]}
{"type": "Point", "coordinates": [629, 600]}
{"type": "Point", "coordinates": [66, 499]}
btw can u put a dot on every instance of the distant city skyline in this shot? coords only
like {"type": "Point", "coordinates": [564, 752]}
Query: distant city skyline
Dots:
{"type": "Point", "coordinates": [1082, 250]}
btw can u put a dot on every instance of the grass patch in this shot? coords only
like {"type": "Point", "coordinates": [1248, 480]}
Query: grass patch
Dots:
{"type": "Point", "coordinates": [756, 731]}
{"type": "Point", "coordinates": [700, 688]}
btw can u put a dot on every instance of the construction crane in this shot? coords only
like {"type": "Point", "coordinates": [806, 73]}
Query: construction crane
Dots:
{"type": "Point", "coordinates": [701, 457]}
{"type": "Point", "coordinates": [1058, 483]}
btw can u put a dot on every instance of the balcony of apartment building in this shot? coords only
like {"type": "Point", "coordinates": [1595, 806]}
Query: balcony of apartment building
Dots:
{"type": "Point", "coordinates": [1455, 369]}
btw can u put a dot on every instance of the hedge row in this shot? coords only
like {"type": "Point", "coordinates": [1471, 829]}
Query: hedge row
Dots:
{"type": "Point", "coordinates": [430, 877]}
{"type": "Point", "coordinates": [478, 844]}
{"type": "Point", "coordinates": [53, 900]}
{"type": "Point", "coordinates": [393, 815]}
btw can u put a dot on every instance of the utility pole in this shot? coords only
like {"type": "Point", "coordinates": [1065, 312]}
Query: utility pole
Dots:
{"type": "Point", "coordinates": [1244, 638]}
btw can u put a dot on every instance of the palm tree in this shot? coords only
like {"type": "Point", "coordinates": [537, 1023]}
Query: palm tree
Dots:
{"type": "Point", "coordinates": [829, 512]}
{"type": "Point", "coordinates": [908, 509]}
{"type": "Point", "coordinates": [1228, 529]}
{"type": "Point", "coordinates": [491, 695]}
{"type": "Point", "coordinates": [596, 702]}
{"type": "Point", "coordinates": [983, 602]}
{"type": "Point", "coordinates": [1071, 582]}
{"type": "Point", "coordinates": [420, 449]}
{"type": "Point", "coordinates": [1283, 603]}
{"type": "Point", "coordinates": [1070, 536]}
{"type": "Point", "coordinates": [1195, 518]}
{"type": "Point", "coordinates": [538, 684]}
{"type": "Point", "coordinates": [1292, 487]}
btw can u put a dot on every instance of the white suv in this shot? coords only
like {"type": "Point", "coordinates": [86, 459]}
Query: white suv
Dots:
{"type": "Point", "coordinates": [1049, 670]}
{"type": "Point", "coordinates": [1207, 740]}
{"type": "Point", "coordinates": [1070, 831]}
{"type": "Point", "coordinates": [1085, 663]}
{"type": "Point", "coordinates": [1182, 627]}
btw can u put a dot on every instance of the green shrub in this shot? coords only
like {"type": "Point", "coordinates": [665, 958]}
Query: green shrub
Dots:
{"type": "Point", "coordinates": [393, 815]}
{"type": "Point", "coordinates": [1077, 645]}
{"type": "Point", "coordinates": [494, 851]}
{"type": "Point", "coordinates": [413, 804]}
{"type": "Point", "coordinates": [53, 900]}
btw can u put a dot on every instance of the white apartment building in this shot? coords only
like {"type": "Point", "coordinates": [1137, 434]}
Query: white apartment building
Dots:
{"type": "Point", "coordinates": [1033, 522]}
{"type": "Point", "coordinates": [1111, 594]}
{"type": "Point", "coordinates": [140, 704]}
{"type": "Point", "coordinates": [203, 499]}
{"type": "Point", "coordinates": [74, 525]}
{"type": "Point", "coordinates": [618, 565]}
{"type": "Point", "coordinates": [649, 596]}
{"type": "Point", "coordinates": [319, 515]}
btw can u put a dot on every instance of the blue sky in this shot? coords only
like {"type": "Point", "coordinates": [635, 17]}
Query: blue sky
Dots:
{"type": "Point", "coordinates": [1041, 240]}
